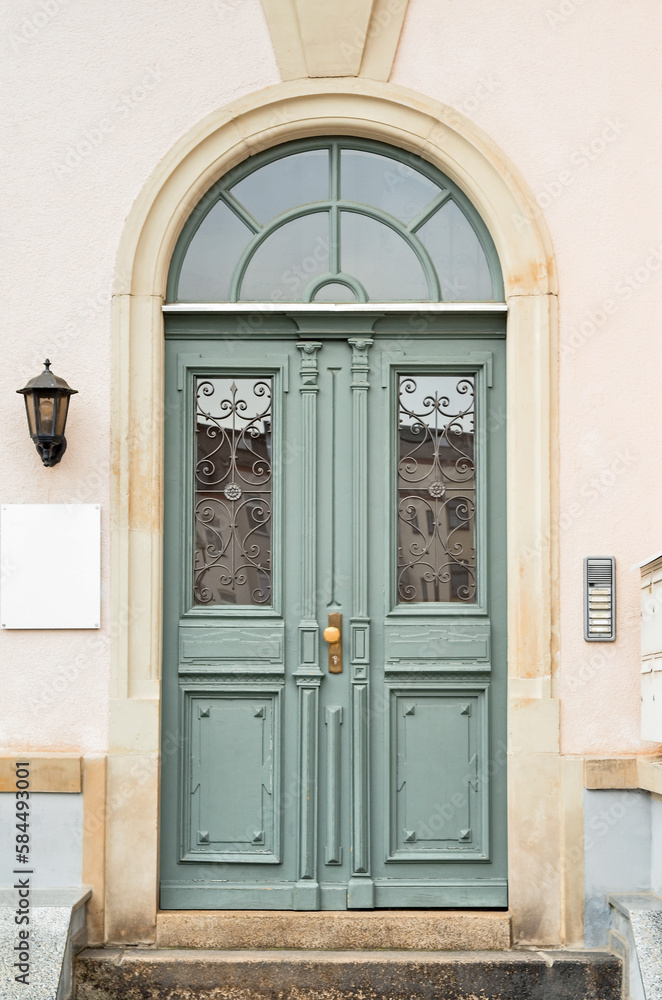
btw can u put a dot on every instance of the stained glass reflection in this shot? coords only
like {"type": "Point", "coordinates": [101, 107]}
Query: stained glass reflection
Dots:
{"type": "Point", "coordinates": [436, 488]}
{"type": "Point", "coordinates": [233, 491]}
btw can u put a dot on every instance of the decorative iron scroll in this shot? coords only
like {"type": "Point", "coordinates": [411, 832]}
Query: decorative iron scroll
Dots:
{"type": "Point", "coordinates": [233, 491]}
{"type": "Point", "coordinates": [436, 488]}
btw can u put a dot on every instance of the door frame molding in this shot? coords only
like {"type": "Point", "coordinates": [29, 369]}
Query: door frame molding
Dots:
{"type": "Point", "coordinates": [543, 881]}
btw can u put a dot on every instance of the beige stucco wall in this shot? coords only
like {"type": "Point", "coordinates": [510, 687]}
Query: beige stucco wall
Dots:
{"type": "Point", "coordinates": [571, 92]}
{"type": "Point", "coordinates": [95, 98]}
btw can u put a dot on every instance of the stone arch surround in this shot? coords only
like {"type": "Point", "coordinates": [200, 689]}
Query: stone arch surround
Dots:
{"type": "Point", "coordinates": [545, 875]}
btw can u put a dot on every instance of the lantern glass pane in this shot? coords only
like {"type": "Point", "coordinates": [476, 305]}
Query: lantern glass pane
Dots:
{"type": "Point", "coordinates": [61, 414]}
{"type": "Point", "coordinates": [30, 410]}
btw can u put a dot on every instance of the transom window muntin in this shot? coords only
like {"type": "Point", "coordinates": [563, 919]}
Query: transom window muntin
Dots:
{"type": "Point", "coordinates": [414, 236]}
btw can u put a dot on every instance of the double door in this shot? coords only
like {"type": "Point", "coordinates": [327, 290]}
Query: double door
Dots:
{"type": "Point", "coordinates": [334, 620]}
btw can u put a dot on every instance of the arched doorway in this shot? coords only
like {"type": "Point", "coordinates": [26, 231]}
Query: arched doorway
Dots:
{"type": "Point", "coordinates": [214, 147]}
{"type": "Point", "coordinates": [334, 459]}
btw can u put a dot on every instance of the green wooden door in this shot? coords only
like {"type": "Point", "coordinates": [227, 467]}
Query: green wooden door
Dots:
{"type": "Point", "coordinates": [352, 467]}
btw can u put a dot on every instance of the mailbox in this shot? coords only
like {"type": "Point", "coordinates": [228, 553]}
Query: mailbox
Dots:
{"type": "Point", "coordinates": [651, 648]}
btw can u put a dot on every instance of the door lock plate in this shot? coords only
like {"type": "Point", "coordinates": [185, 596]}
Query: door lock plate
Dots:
{"type": "Point", "coordinates": [333, 635]}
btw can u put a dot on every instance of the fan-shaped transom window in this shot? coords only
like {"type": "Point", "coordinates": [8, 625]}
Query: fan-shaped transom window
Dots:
{"type": "Point", "coordinates": [335, 221]}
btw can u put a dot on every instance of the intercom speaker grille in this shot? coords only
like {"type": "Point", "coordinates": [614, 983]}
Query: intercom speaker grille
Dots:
{"type": "Point", "coordinates": [600, 573]}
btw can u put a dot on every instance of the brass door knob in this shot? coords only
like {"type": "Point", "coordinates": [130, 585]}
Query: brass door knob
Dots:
{"type": "Point", "coordinates": [331, 633]}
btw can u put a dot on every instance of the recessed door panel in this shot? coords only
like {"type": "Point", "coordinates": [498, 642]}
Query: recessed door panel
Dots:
{"type": "Point", "coordinates": [234, 761]}
{"type": "Point", "coordinates": [437, 802]}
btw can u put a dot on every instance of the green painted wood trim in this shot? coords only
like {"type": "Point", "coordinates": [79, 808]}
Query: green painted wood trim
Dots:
{"type": "Point", "coordinates": [307, 887]}
{"type": "Point", "coordinates": [240, 212]}
{"type": "Point", "coordinates": [333, 719]}
{"type": "Point", "coordinates": [308, 716]}
{"type": "Point", "coordinates": [429, 211]}
{"type": "Point", "coordinates": [334, 232]}
{"type": "Point", "coordinates": [360, 781]}
{"type": "Point", "coordinates": [360, 893]}
{"type": "Point", "coordinates": [407, 886]}
{"type": "Point", "coordinates": [322, 207]}
{"type": "Point", "coordinates": [231, 896]}
{"type": "Point", "coordinates": [311, 290]}
{"type": "Point", "coordinates": [333, 209]}
{"type": "Point", "coordinates": [308, 675]}
{"type": "Point", "coordinates": [419, 249]}
{"type": "Point", "coordinates": [309, 660]}
{"type": "Point", "coordinates": [479, 690]}
{"type": "Point", "coordinates": [360, 625]}
{"type": "Point", "coordinates": [360, 386]}
{"type": "Point", "coordinates": [487, 893]}
{"type": "Point", "coordinates": [250, 690]}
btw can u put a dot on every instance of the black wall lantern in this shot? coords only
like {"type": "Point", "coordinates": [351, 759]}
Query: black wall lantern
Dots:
{"type": "Point", "coordinates": [46, 403]}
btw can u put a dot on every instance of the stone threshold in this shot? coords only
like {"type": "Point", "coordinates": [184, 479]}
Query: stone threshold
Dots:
{"type": "Point", "coordinates": [335, 930]}
{"type": "Point", "coordinates": [132, 974]}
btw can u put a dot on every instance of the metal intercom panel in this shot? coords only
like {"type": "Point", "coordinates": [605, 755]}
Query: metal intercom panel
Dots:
{"type": "Point", "coordinates": [599, 599]}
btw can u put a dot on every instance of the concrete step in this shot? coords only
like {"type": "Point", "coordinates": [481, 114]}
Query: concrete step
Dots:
{"type": "Point", "coordinates": [636, 936]}
{"type": "Point", "coordinates": [56, 931]}
{"type": "Point", "coordinates": [338, 930]}
{"type": "Point", "coordinates": [165, 974]}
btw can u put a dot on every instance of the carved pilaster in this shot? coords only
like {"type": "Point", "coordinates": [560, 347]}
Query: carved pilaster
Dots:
{"type": "Point", "coordinates": [308, 656]}
{"type": "Point", "coordinates": [360, 891]}
{"type": "Point", "coordinates": [308, 674]}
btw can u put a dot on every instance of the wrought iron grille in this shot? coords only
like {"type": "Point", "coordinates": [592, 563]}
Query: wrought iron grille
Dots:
{"type": "Point", "coordinates": [436, 488]}
{"type": "Point", "coordinates": [233, 491]}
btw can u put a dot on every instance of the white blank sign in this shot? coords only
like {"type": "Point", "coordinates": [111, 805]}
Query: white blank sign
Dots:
{"type": "Point", "coordinates": [50, 558]}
